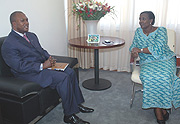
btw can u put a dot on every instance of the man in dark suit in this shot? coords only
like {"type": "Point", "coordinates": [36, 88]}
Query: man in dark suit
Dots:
{"type": "Point", "coordinates": [23, 53]}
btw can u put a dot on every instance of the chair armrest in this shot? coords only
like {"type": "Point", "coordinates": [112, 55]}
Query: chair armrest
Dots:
{"type": "Point", "coordinates": [178, 61]}
{"type": "Point", "coordinates": [136, 62]}
{"type": "Point", "coordinates": [178, 65]}
{"type": "Point", "coordinates": [18, 88]}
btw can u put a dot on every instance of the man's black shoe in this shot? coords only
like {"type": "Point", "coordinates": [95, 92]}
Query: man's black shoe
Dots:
{"type": "Point", "coordinates": [85, 109]}
{"type": "Point", "coordinates": [73, 119]}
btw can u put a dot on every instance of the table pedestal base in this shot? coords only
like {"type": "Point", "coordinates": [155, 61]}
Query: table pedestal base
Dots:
{"type": "Point", "coordinates": [91, 85]}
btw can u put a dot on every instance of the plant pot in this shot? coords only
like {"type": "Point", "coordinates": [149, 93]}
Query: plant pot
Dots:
{"type": "Point", "coordinates": [91, 26]}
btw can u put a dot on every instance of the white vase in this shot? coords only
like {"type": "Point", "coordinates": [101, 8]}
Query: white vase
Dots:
{"type": "Point", "coordinates": [91, 26]}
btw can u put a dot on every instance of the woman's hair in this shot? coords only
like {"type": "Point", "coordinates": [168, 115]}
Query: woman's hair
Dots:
{"type": "Point", "coordinates": [150, 15]}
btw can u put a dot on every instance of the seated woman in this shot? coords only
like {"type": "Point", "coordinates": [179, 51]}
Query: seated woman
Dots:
{"type": "Point", "coordinates": [161, 86]}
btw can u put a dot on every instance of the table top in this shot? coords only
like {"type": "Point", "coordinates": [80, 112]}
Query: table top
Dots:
{"type": "Point", "coordinates": [81, 42]}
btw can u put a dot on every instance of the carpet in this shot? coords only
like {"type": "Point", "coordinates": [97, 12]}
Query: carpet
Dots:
{"type": "Point", "coordinates": [112, 106]}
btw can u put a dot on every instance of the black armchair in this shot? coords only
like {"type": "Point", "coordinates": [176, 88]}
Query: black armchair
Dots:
{"type": "Point", "coordinates": [22, 102]}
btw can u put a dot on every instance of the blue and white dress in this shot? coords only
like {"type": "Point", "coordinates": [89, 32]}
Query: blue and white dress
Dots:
{"type": "Point", "coordinates": [161, 86]}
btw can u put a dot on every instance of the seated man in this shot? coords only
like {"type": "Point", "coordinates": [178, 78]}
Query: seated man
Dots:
{"type": "Point", "coordinates": [29, 61]}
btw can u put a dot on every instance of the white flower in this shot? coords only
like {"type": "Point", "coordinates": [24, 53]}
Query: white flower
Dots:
{"type": "Point", "coordinates": [93, 6]}
{"type": "Point", "coordinates": [78, 6]}
{"type": "Point", "coordinates": [99, 8]}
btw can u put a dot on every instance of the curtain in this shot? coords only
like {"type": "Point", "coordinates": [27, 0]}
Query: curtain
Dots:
{"type": "Point", "coordinates": [123, 25]}
{"type": "Point", "coordinates": [77, 28]}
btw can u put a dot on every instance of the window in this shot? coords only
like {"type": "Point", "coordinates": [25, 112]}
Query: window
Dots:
{"type": "Point", "coordinates": [127, 11]}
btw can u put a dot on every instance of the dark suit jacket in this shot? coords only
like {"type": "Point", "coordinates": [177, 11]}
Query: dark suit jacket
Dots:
{"type": "Point", "coordinates": [25, 58]}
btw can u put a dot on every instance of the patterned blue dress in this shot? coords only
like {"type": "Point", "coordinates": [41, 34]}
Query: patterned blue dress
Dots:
{"type": "Point", "coordinates": [161, 86]}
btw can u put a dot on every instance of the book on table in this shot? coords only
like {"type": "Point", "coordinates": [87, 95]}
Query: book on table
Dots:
{"type": "Point", "coordinates": [60, 66]}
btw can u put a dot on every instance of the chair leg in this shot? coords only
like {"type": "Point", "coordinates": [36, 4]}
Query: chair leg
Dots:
{"type": "Point", "coordinates": [132, 96]}
{"type": "Point", "coordinates": [171, 110]}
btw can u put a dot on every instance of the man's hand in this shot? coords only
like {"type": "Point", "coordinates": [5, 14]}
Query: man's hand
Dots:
{"type": "Point", "coordinates": [49, 62]}
{"type": "Point", "coordinates": [52, 61]}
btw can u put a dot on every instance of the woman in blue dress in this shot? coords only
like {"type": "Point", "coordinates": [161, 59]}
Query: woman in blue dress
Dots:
{"type": "Point", "coordinates": [161, 86]}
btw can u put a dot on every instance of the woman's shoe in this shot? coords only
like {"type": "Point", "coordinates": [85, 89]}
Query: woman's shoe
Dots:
{"type": "Point", "coordinates": [161, 121]}
{"type": "Point", "coordinates": [166, 116]}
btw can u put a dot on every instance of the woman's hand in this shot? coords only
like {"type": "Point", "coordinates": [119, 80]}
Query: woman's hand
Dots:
{"type": "Point", "coordinates": [135, 51]}
{"type": "Point", "coordinates": [49, 62]}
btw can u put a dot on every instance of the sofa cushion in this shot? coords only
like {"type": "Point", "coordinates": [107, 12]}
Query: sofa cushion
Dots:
{"type": "Point", "coordinates": [4, 68]}
{"type": "Point", "coordinates": [18, 88]}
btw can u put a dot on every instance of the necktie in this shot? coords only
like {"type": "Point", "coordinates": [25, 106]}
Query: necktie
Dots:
{"type": "Point", "coordinates": [26, 38]}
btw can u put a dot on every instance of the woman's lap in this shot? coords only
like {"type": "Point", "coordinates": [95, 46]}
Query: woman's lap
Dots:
{"type": "Point", "coordinates": [158, 83]}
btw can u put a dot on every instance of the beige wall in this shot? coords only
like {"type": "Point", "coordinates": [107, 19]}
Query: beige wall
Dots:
{"type": "Point", "coordinates": [46, 18]}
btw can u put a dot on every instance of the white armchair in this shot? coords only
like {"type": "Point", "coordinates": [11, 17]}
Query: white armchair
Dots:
{"type": "Point", "coordinates": [136, 68]}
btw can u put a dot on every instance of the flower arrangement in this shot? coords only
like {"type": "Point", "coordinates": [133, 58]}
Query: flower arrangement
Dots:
{"type": "Point", "coordinates": [91, 9]}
